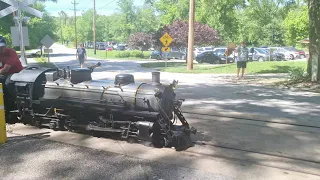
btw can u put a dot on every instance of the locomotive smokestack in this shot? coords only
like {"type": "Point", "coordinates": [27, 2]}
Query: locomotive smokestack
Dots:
{"type": "Point", "coordinates": [156, 77]}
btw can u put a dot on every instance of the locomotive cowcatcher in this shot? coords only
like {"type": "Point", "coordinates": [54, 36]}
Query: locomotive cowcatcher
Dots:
{"type": "Point", "coordinates": [64, 99]}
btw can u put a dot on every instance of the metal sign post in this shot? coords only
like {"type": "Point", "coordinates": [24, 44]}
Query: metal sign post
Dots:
{"type": "Point", "coordinates": [166, 40]}
{"type": "Point", "coordinates": [20, 5]}
{"type": "Point", "coordinates": [47, 41]}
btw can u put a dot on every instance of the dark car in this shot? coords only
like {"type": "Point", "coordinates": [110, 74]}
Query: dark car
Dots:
{"type": "Point", "coordinates": [121, 47]}
{"type": "Point", "coordinates": [212, 58]}
{"type": "Point", "coordinates": [155, 55]}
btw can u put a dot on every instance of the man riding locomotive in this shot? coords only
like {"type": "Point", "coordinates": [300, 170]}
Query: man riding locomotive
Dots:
{"type": "Point", "coordinates": [9, 64]}
{"type": "Point", "coordinates": [9, 59]}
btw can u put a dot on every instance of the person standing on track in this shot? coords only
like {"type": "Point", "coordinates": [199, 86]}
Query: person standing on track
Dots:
{"type": "Point", "coordinates": [242, 59]}
{"type": "Point", "coordinates": [81, 55]}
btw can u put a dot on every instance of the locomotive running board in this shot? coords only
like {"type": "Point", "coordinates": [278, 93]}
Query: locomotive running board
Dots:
{"type": "Point", "coordinates": [102, 129]}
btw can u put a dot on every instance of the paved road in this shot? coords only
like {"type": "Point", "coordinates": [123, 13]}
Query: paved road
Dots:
{"type": "Point", "coordinates": [206, 160]}
{"type": "Point", "coordinates": [219, 93]}
{"type": "Point", "coordinates": [29, 158]}
{"type": "Point", "coordinates": [281, 143]}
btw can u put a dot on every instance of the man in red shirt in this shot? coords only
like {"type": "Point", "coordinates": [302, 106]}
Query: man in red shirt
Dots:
{"type": "Point", "coordinates": [9, 59]}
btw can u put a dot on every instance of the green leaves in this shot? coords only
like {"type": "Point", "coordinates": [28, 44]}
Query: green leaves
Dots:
{"type": "Point", "coordinates": [296, 25]}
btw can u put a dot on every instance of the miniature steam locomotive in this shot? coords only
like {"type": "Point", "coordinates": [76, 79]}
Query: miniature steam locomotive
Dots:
{"type": "Point", "coordinates": [64, 99]}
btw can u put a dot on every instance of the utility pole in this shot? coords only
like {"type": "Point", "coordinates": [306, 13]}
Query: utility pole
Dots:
{"type": "Point", "coordinates": [60, 14]}
{"type": "Point", "coordinates": [94, 26]}
{"type": "Point", "coordinates": [75, 21]}
{"type": "Point", "coordinates": [191, 36]}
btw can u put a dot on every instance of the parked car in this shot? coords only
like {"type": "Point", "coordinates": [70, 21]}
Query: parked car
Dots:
{"type": "Point", "coordinates": [258, 55]}
{"type": "Point", "coordinates": [109, 48]}
{"type": "Point", "coordinates": [205, 49]}
{"type": "Point", "coordinates": [275, 56]}
{"type": "Point", "coordinates": [302, 54]}
{"type": "Point", "coordinates": [220, 51]}
{"type": "Point", "coordinates": [288, 52]}
{"type": "Point", "coordinates": [197, 51]}
{"type": "Point", "coordinates": [167, 55]}
{"type": "Point", "coordinates": [212, 58]}
{"type": "Point", "coordinates": [100, 46]}
{"type": "Point", "coordinates": [121, 47]}
{"type": "Point", "coordinates": [155, 55]}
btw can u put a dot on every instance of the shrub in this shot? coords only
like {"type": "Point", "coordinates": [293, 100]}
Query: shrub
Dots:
{"type": "Point", "coordinates": [137, 54]}
{"type": "Point", "coordinates": [298, 75]}
{"type": "Point", "coordinates": [124, 54]}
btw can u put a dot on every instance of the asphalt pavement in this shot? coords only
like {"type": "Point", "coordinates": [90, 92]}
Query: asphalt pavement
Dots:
{"type": "Point", "coordinates": [214, 92]}
{"type": "Point", "coordinates": [256, 132]}
{"type": "Point", "coordinates": [31, 158]}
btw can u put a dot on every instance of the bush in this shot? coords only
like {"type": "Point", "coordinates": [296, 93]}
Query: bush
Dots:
{"type": "Point", "coordinates": [298, 75]}
{"type": "Point", "coordinates": [128, 54]}
{"type": "Point", "coordinates": [137, 54]}
{"type": "Point", "coordinates": [124, 54]}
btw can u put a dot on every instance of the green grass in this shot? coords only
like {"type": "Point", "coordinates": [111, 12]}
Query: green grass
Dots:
{"type": "Point", "coordinates": [43, 62]}
{"type": "Point", "coordinates": [124, 55]}
{"type": "Point", "coordinates": [252, 67]}
{"type": "Point", "coordinates": [129, 55]}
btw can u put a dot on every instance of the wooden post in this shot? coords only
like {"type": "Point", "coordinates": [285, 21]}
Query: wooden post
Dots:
{"type": "Point", "coordinates": [94, 27]}
{"type": "Point", "coordinates": [191, 36]}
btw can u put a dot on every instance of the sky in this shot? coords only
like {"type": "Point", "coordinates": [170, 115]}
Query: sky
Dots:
{"type": "Point", "coordinates": [104, 7]}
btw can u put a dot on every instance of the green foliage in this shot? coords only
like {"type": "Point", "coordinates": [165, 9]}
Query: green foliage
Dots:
{"type": "Point", "coordinates": [37, 27]}
{"type": "Point", "coordinates": [43, 62]}
{"type": "Point", "coordinates": [137, 54]}
{"type": "Point", "coordinates": [296, 25]}
{"type": "Point", "coordinates": [298, 75]}
{"type": "Point", "coordinates": [128, 54]}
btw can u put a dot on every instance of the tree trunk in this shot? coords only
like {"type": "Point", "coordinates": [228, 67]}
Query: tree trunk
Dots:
{"type": "Point", "coordinates": [314, 40]}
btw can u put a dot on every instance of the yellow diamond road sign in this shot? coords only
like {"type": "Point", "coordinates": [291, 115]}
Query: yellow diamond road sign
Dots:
{"type": "Point", "coordinates": [165, 49]}
{"type": "Point", "coordinates": [166, 39]}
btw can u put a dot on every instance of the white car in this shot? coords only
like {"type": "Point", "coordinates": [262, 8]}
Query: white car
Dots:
{"type": "Point", "coordinates": [288, 52]}
{"type": "Point", "coordinates": [197, 51]}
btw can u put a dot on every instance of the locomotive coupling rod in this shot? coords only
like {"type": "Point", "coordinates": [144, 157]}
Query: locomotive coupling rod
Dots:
{"type": "Point", "coordinates": [3, 131]}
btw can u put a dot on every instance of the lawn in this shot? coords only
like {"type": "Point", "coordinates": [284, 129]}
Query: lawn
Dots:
{"type": "Point", "coordinates": [124, 55]}
{"type": "Point", "coordinates": [252, 67]}
{"type": "Point", "coordinates": [129, 55]}
{"type": "Point", "coordinates": [42, 61]}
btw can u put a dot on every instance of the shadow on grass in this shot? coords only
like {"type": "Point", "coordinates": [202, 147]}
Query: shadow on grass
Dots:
{"type": "Point", "coordinates": [279, 69]}
{"type": "Point", "coordinates": [162, 64]}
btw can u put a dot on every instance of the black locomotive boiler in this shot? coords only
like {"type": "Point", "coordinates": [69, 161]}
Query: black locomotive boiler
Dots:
{"type": "Point", "coordinates": [70, 99]}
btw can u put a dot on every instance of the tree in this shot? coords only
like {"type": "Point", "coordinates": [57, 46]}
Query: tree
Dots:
{"type": "Point", "coordinates": [296, 25]}
{"type": "Point", "coordinates": [314, 36]}
{"type": "Point", "coordinates": [128, 16]}
{"type": "Point", "coordinates": [204, 35]}
{"type": "Point", "coordinates": [141, 41]}
{"type": "Point", "coordinates": [221, 15]}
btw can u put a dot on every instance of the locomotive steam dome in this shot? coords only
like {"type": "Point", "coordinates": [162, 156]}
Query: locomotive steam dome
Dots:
{"type": "Point", "coordinates": [124, 79]}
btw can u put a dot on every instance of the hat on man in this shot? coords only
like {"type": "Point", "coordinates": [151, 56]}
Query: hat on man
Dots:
{"type": "Point", "coordinates": [2, 42]}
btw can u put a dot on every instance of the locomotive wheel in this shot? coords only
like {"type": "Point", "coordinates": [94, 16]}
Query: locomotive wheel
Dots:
{"type": "Point", "coordinates": [37, 122]}
{"type": "Point", "coordinates": [159, 141]}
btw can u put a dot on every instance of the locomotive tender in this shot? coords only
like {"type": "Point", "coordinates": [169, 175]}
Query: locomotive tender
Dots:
{"type": "Point", "coordinates": [69, 99]}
